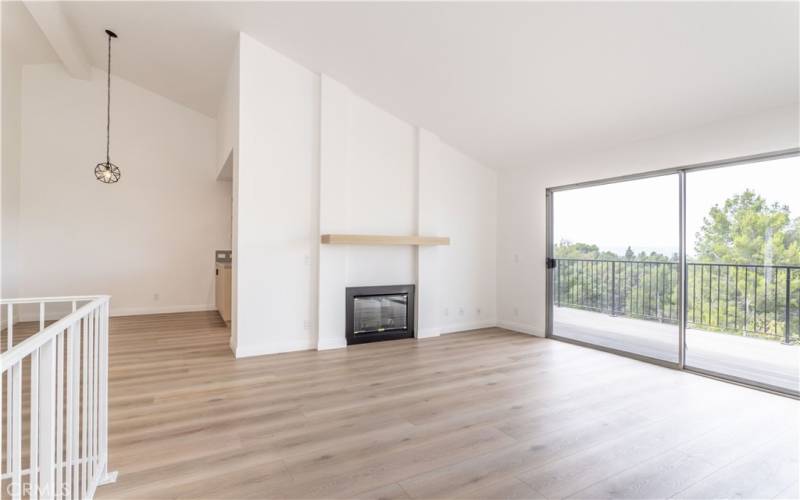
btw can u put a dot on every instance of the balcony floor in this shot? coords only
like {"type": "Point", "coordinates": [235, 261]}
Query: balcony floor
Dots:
{"type": "Point", "coordinates": [764, 361]}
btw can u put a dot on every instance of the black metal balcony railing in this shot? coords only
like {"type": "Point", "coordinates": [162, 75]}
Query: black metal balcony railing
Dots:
{"type": "Point", "coordinates": [747, 299]}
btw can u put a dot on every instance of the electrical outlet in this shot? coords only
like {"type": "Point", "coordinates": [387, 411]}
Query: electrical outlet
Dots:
{"type": "Point", "coordinates": [516, 258]}
{"type": "Point", "coordinates": [156, 297]}
{"type": "Point", "coordinates": [306, 325]}
{"type": "Point", "coordinates": [446, 311]}
{"type": "Point", "coordinates": [478, 311]}
{"type": "Point", "coordinates": [516, 312]}
{"type": "Point", "coordinates": [460, 311]}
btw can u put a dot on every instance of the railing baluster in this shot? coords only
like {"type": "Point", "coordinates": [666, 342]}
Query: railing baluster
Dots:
{"type": "Point", "coordinates": [727, 292]}
{"type": "Point", "coordinates": [736, 302]}
{"type": "Point", "coordinates": [638, 281]}
{"type": "Point", "coordinates": [626, 307]}
{"type": "Point", "coordinates": [613, 288]}
{"type": "Point", "coordinates": [9, 387]}
{"type": "Point", "coordinates": [775, 301]}
{"type": "Point", "coordinates": [650, 288]}
{"type": "Point", "coordinates": [34, 427]}
{"type": "Point", "coordinates": [702, 285]}
{"type": "Point", "coordinates": [47, 410]}
{"type": "Point", "coordinates": [71, 407]}
{"type": "Point", "coordinates": [84, 405]}
{"type": "Point", "coordinates": [15, 442]}
{"type": "Point", "coordinates": [787, 329]}
{"type": "Point", "coordinates": [755, 297]}
{"type": "Point", "coordinates": [96, 392]}
{"type": "Point", "coordinates": [59, 414]}
{"type": "Point", "coordinates": [90, 399]}
{"type": "Point", "coordinates": [744, 321]}
{"type": "Point", "coordinates": [766, 300]}
{"type": "Point", "coordinates": [573, 284]}
{"type": "Point", "coordinates": [694, 290]}
{"type": "Point", "coordinates": [719, 281]}
{"type": "Point", "coordinates": [104, 390]}
{"type": "Point", "coordinates": [669, 291]}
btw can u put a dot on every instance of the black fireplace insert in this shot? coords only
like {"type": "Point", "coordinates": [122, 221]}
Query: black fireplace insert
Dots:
{"type": "Point", "coordinates": [376, 313]}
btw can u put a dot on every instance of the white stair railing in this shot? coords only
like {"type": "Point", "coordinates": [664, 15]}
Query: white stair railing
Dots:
{"type": "Point", "coordinates": [56, 396]}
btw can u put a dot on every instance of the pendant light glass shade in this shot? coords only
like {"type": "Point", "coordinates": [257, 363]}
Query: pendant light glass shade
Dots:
{"type": "Point", "coordinates": [107, 172]}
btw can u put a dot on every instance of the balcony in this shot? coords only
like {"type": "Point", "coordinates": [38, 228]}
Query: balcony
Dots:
{"type": "Point", "coordinates": [743, 320]}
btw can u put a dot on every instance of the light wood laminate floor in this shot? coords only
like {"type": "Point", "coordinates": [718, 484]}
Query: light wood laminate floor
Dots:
{"type": "Point", "coordinates": [484, 414]}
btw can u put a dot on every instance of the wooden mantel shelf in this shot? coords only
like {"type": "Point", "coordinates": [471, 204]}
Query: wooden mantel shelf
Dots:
{"type": "Point", "coordinates": [379, 239]}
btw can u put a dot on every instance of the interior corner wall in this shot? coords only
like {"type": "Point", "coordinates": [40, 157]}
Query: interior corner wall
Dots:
{"type": "Point", "coordinates": [149, 239]}
{"type": "Point", "coordinates": [521, 195]}
{"type": "Point", "coordinates": [276, 197]}
{"type": "Point", "coordinates": [227, 150]}
{"type": "Point", "coordinates": [457, 198]}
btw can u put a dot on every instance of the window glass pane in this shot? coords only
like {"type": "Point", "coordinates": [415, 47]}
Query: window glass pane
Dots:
{"type": "Point", "coordinates": [616, 280]}
{"type": "Point", "coordinates": [743, 273]}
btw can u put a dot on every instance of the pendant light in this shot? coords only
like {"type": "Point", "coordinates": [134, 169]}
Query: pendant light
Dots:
{"type": "Point", "coordinates": [107, 172]}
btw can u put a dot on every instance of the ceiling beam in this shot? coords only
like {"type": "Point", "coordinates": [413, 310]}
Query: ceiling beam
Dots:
{"type": "Point", "coordinates": [62, 37]}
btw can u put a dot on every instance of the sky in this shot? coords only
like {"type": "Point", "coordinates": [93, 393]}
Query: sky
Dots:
{"type": "Point", "coordinates": [644, 213]}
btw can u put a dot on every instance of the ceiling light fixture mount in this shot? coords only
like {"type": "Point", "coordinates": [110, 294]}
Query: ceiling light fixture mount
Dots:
{"type": "Point", "coordinates": [107, 172]}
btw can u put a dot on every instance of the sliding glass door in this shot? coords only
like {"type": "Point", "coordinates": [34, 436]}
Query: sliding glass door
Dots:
{"type": "Point", "coordinates": [743, 275]}
{"type": "Point", "coordinates": [697, 267]}
{"type": "Point", "coordinates": [615, 280]}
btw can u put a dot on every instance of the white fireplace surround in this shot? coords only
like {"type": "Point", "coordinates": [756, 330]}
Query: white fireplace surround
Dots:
{"type": "Point", "coordinates": [309, 158]}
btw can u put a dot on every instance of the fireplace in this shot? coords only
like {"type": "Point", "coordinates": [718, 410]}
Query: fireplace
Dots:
{"type": "Point", "coordinates": [376, 313]}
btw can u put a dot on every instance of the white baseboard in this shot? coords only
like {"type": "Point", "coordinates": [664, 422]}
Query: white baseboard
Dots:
{"type": "Point", "coordinates": [326, 344]}
{"type": "Point", "coordinates": [139, 311]}
{"type": "Point", "coordinates": [463, 327]}
{"type": "Point", "coordinates": [426, 333]}
{"type": "Point", "coordinates": [250, 351]}
{"type": "Point", "coordinates": [521, 328]}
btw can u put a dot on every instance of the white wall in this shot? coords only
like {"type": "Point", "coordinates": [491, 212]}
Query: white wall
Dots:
{"type": "Point", "coordinates": [10, 178]}
{"type": "Point", "coordinates": [316, 158]}
{"type": "Point", "coordinates": [152, 233]}
{"type": "Point", "coordinates": [457, 198]}
{"type": "Point", "coordinates": [380, 175]}
{"type": "Point", "coordinates": [521, 195]}
{"type": "Point", "coordinates": [368, 186]}
{"type": "Point", "coordinates": [228, 116]}
{"type": "Point", "coordinates": [276, 196]}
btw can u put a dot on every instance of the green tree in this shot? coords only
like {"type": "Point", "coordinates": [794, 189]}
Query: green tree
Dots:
{"type": "Point", "coordinates": [629, 255]}
{"type": "Point", "coordinates": [568, 250]}
{"type": "Point", "coordinates": [748, 230]}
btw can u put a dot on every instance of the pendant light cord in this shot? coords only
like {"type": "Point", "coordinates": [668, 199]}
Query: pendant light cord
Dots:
{"type": "Point", "coordinates": [108, 106]}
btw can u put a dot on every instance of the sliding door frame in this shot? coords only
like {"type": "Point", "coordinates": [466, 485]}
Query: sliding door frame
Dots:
{"type": "Point", "coordinates": [681, 172]}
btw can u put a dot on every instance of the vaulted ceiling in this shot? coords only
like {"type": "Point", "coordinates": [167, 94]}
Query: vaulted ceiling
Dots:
{"type": "Point", "coordinates": [504, 82]}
